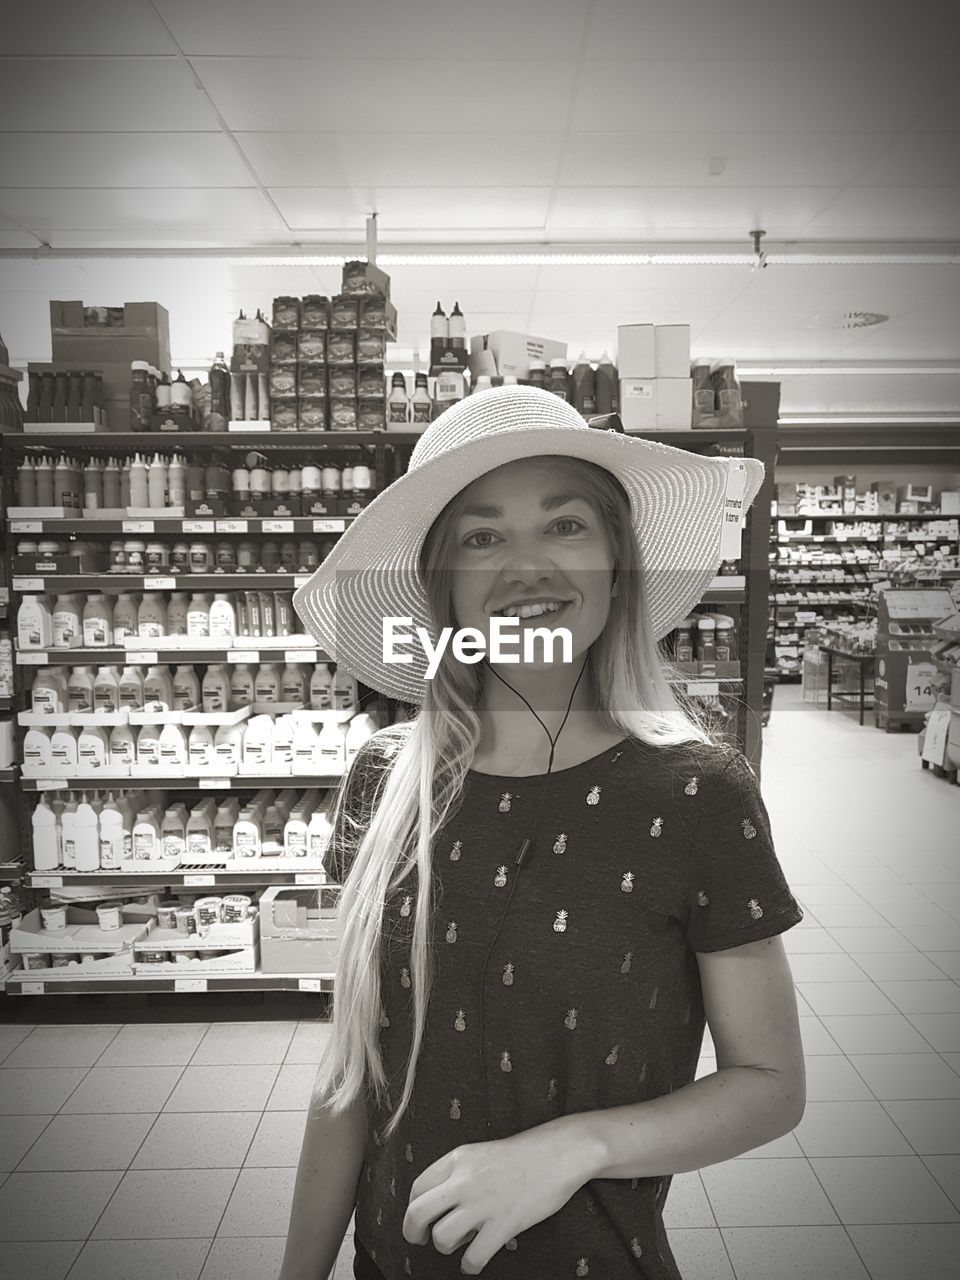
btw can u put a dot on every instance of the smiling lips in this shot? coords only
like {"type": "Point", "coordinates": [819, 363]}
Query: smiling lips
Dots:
{"type": "Point", "coordinates": [531, 608]}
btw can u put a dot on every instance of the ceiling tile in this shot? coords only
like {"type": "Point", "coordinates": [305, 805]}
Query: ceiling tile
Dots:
{"type": "Point", "coordinates": [873, 213]}
{"type": "Point", "coordinates": [14, 238]}
{"type": "Point", "coordinates": [399, 209]}
{"type": "Point", "coordinates": [361, 96]}
{"type": "Point", "coordinates": [140, 211]}
{"type": "Point", "coordinates": [537, 29]}
{"type": "Point", "coordinates": [101, 27]}
{"type": "Point", "coordinates": [750, 159]}
{"type": "Point", "coordinates": [89, 95]}
{"type": "Point", "coordinates": [121, 160]}
{"type": "Point", "coordinates": [674, 213]}
{"type": "Point", "coordinates": [915, 160]}
{"type": "Point", "coordinates": [410, 159]}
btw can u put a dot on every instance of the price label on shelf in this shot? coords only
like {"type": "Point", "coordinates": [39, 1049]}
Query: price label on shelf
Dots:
{"type": "Point", "coordinates": [198, 526]}
{"type": "Point", "coordinates": [26, 526]}
{"type": "Point", "coordinates": [278, 526]}
{"type": "Point", "coordinates": [310, 877]}
{"type": "Point", "coordinates": [214, 784]}
{"type": "Point", "coordinates": [159, 584]}
{"type": "Point", "coordinates": [301, 579]}
{"type": "Point", "coordinates": [143, 658]}
{"type": "Point", "coordinates": [299, 655]}
{"type": "Point", "coordinates": [31, 658]}
{"type": "Point", "coordinates": [329, 525]}
{"type": "Point", "coordinates": [199, 880]}
{"type": "Point", "coordinates": [28, 584]}
{"type": "Point", "coordinates": [189, 984]}
{"type": "Point", "coordinates": [31, 988]}
{"type": "Point", "coordinates": [52, 784]}
{"type": "Point", "coordinates": [231, 526]}
{"type": "Point", "coordinates": [306, 984]}
{"type": "Point", "coordinates": [703, 688]}
{"type": "Point", "coordinates": [137, 526]}
{"type": "Point", "coordinates": [243, 655]}
{"type": "Point", "coordinates": [47, 882]}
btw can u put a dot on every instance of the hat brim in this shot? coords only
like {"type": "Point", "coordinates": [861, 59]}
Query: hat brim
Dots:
{"type": "Point", "coordinates": [677, 503]}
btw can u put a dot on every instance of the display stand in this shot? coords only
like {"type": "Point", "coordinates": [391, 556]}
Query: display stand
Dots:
{"type": "Point", "coordinates": [906, 672]}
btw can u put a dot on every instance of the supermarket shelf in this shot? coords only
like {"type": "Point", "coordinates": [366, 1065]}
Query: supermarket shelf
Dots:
{"type": "Point", "coordinates": [8, 775]}
{"type": "Point", "coordinates": [866, 518]}
{"type": "Point", "coordinates": [186, 876]}
{"type": "Point", "coordinates": [6, 704]}
{"type": "Point", "coordinates": [186, 524]}
{"type": "Point", "coordinates": [12, 871]}
{"type": "Point", "coordinates": [22, 982]}
{"type": "Point", "coordinates": [822, 584]}
{"type": "Point", "coordinates": [177, 782]}
{"type": "Point", "coordinates": [57, 582]}
{"type": "Point", "coordinates": [243, 650]}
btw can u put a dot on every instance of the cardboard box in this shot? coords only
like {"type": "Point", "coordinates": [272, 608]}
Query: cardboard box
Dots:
{"type": "Point", "coordinates": [299, 931]}
{"type": "Point", "coordinates": [377, 312]}
{"type": "Point", "coordinates": [950, 502]}
{"type": "Point", "coordinates": [83, 932]}
{"type": "Point", "coordinates": [672, 350]}
{"type": "Point", "coordinates": [360, 277]}
{"type": "Point", "coordinates": [512, 352]}
{"type": "Point", "coordinates": [761, 403]}
{"type": "Point", "coordinates": [674, 404]}
{"type": "Point", "coordinates": [143, 334]}
{"type": "Point", "coordinates": [915, 493]}
{"type": "Point", "coordinates": [638, 404]}
{"type": "Point", "coordinates": [637, 352]}
{"type": "Point", "coordinates": [886, 497]}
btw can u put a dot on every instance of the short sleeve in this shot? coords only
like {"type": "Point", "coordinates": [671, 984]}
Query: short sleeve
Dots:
{"type": "Point", "coordinates": [737, 890]}
{"type": "Point", "coordinates": [356, 802]}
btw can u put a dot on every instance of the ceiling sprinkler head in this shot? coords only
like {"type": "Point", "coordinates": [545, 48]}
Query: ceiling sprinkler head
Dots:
{"type": "Point", "coordinates": [760, 261]}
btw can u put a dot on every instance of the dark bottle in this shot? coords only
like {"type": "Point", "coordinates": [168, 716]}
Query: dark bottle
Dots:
{"type": "Point", "coordinates": [88, 401]}
{"type": "Point", "coordinates": [61, 392]}
{"type": "Point", "coordinates": [74, 396]}
{"type": "Point", "coordinates": [33, 399]}
{"type": "Point", "coordinates": [141, 396]}
{"type": "Point", "coordinates": [220, 391]}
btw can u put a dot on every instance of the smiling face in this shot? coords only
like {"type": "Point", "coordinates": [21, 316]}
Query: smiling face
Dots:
{"type": "Point", "coordinates": [527, 533]}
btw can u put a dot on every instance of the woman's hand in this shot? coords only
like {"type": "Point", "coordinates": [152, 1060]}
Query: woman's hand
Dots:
{"type": "Point", "coordinates": [488, 1192]}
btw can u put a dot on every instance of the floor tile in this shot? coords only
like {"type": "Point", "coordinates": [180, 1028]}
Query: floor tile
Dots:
{"type": "Point", "coordinates": [10, 1037]}
{"type": "Point", "coordinates": [197, 1140]}
{"type": "Point", "coordinates": [893, 1076]}
{"type": "Point", "coordinates": [87, 1142]}
{"type": "Point", "coordinates": [46, 1260]}
{"type": "Point", "coordinates": [872, 1190]}
{"type": "Point", "coordinates": [222, 1089]}
{"type": "Point", "coordinates": [17, 1136]}
{"type": "Point", "coordinates": [947, 962]}
{"type": "Point", "coordinates": [940, 996]}
{"type": "Point", "coordinates": [79, 1200]}
{"type": "Point", "coordinates": [816, 1038]}
{"type": "Point", "coordinates": [764, 1193]}
{"type": "Point", "coordinates": [37, 1090]}
{"type": "Point", "coordinates": [244, 1044]}
{"type": "Point", "coordinates": [293, 1089]}
{"type": "Point", "coordinates": [123, 1089]}
{"type": "Point", "coordinates": [153, 1045]}
{"type": "Point", "coordinates": [700, 1253]}
{"type": "Point", "coordinates": [833, 999]}
{"type": "Point", "coordinates": [875, 1033]}
{"type": "Point", "coordinates": [277, 1142]}
{"type": "Point", "coordinates": [687, 1204]}
{"type": "Point", "coordinates": [793, 1253]}
{"type": "Point", "coordinates": [931, 1127]}
{"type": "Point", "coordinates": [308, 1042]}
{"type": "Point", "coordinates": [152, 1205]}
{"type": "Point", "coordinates": [946, 1170]}
{"type": "Point", "coordinates": [942, 1030]}
{"type": "Point", "coordinates": [838, 967]}
{"type": "Point", "coordinates": [856, 940]}
{"type": "Point", "coordinates": [898, 966]}
{"type": "Point", "coordinates": [784, 1146]}
{"type": "Point", "coordinates": [833, 1079]}
{"type": "Point", "coordinates": [145, 1259]}
{"type": "Point", "coordinates": [260, 1203]}
{"type": "Point", "coordinates": [850, 915]}
{"type": "Point", "coordinates": [909, 1253]}
{"type": "Point", "coordinates": [247, 1259]}
{"type": "Point", "coordinates": [931, 937]}
{"type": "Point", "coordinates": [850, 1129]}
{"type": "Point", "coordinates": [62, 1046]}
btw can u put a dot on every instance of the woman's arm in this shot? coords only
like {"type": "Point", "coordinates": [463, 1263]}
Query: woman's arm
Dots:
{"type": "Point", "coordinates": [757, 1093]}
{"type": "Point", "coordinates": [325, 1192]}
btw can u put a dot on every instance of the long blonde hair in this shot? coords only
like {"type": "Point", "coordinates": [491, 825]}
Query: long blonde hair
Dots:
{"type": "Point", "coordinates": [628, 677]}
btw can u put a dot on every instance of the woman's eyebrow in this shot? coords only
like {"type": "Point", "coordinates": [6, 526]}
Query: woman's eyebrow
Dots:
{"type": "Point", "coordinates": [494, 512]}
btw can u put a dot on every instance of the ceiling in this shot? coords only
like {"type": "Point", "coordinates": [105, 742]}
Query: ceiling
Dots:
{"type": "Point", "coordinates": [222, 125]}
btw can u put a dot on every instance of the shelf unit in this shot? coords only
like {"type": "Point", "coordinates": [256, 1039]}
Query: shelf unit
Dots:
{"type": "Point", "coordinates": [388, 454]}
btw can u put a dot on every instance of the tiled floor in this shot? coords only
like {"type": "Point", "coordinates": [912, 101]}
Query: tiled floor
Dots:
{"type": "Point", "coordinates": [168, 1151]}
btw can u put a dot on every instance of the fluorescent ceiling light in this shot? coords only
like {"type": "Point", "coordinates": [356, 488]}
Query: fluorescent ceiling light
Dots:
{"type": "Point", "coordinates": [869, 420]}
{"type": "Point", "coordinates": [819, 369]}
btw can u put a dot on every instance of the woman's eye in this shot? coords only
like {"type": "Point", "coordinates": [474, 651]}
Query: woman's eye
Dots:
{"type": "Point", "coordinates": [576, 524]}
{"type": "Point", "coordinates": [480, 533]}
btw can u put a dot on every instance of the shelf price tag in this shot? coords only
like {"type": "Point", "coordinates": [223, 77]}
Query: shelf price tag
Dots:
{"type": "Point", "coordinates": [159, 584]}
{"type": "Point", "coordinates": [137, 526]}
{"type": "Point", "coordinates": [306, 984]}
{"type": "Point", "coordinates": [703, 688]}
{"type": "Point", "coordinates": [231, 526]}
{"type": "Point", "coordinates": [31, 988]}
{"type": "Point", "coordinates": [299, 655]}
{"type": "Point", "coordinates": [197, 526]}
{"type": "Point", "coordinates": [199, 880]}
{"type": "Point", "coordinates": [32, 658]}
{"type": "Point", "coordinates": [189, 984]}
{"type": "Point", "coordinates": [28, 584]}
{"type": "Point", "coordinates": [52, 784]}
{"type": "Point", "coordinates": [309, 877]}
{"type": "Point", "coordinates": [145, 659]}
{"type": "Point", "coordinates": [214, 784]}
{"type": "Point", "coordinates": [278, 526]}
{"type": "Point", "coordinates": [301, 579]}
{"type": "Point", "coordinates": [329, 525]}
{"type": "Point", "coordinates": [243, 655]}
{"type": "Point", "coordinates": [47, 882]}
{"type": "Point", "coordinates": [26, 526]}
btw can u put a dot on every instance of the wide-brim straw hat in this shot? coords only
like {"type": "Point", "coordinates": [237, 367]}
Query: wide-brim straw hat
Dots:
{"type": "Point", "coordinates": [677, 501]}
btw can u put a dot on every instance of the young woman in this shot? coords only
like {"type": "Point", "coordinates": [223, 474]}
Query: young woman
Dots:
{"type": "Point", "coordinates": [552, 876]}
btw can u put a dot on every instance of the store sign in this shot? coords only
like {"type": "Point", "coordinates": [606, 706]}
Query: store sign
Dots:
{"type": "Point", "coordinates": [921, 680]}
{"type": "Point", "coordinates": [935, 735]}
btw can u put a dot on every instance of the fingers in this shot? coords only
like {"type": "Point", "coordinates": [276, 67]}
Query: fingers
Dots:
{"type": "Point", "coordinates": [426, 1209]}
{"type": "Point", "coordinates": [488, 1240]}
{"type": "Point", "coordinates": [453, 1230]}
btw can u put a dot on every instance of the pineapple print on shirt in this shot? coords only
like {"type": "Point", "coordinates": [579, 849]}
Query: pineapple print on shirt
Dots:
{"type": "Point", "coordinates": [657, 828]}
{"type": "Point", "coordinates": [560, 844]}
{"type": "Point", "coordinates": [626, 884]}
{"type": "Point", "coordinates": [749, 830]}
{"type": "Point", "coordinates": [593, 795]}
{"type": "Point", "coordinates": [505, 800]}
{"type": "Point", "coordinates": [456, 850]}
{"type": "Point", "coordinates": [691, 788]}
{"type": "Point", "coordinates": [560, 924]}
{"type": "Point", "coordinates": [500, 879]}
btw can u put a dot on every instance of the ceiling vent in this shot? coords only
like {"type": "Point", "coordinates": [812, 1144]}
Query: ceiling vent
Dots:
{"type": "Point", "coordinates": [845, 320]}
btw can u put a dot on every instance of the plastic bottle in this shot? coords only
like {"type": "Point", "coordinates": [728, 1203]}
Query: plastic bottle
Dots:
{"type": "Point", "coordinates": [176, 482]}
{"type": "Point", "coordinates": [223, 821]}
{"type": "Point", "coordinates": [607, 391]}
{"type": "Point", "coordinates": [706, 650]}
{"type": "Point", "coordinates": [293, 686]}
{"type": "Point", "coordinates": [110, 485]}
{"type": "Point", "coordinates": [177, 614]}
{"type": "Point", "coordinates": [106, 690]}
{"type": "Point", "coordinates": [228, 746]}
{"type": "Point", "coordinates": [61, 392]}
{"type": "Point", "coordinates": [46, 837]}
{"type": "Point", "coordinates": [37, 750]}
{"type": "Point", "coordinates": [80, 690]}
{"type": "Point", "coordinates": [92, 486]}
{"type": "Point", "coordinates": [223, 617]}
{"type": "Point", "coordinates": [173, 832]}
{"type": "Point", "coordinates": [172, 748]}
{"type": "Point", "coordinates": [180, 557]}
{"type": "Point", "coordinates": [63, 750]}
{"type": "Point", "coordinates": [93, 749]}
{"type": "Point", "coordinates": [27, 481]}
{"type": "Point", "coordinates": [111, 835]}
{"type": "Point", "coordinates": [43, 478]}
{"type": "Point", "coordinates": [583, 387]}
{"type": "Point", "coordinates": [421, 403]}
{"type": "Point", "coordinates": [305, 748]}
{"type": "Point", "coordinates": [198, 615]}
{"type": "Point", "coordinates": [186, 688]}
{"type": "Point", "coordinates": [246, 834]}
{"type": "Point", "coordinates": [86, 829]}
{"type": "Point", "coordinates": [97, 622]}
{"type": "Point", "coordinates": [34, 623]}
{"type": "Point", "coordinates": [215, 689]}
{"type": "Point", "coordinates": [123, 745]}
{"type": "Point", "coordinates": [63, 484]}
{"type": "Point", "coordinates": [48, 695]}
{"type": "Point", "coordinates": [344, 692]}
{"type": "Point", "coordinates": [319, 832]}
{"type": "Point", "coordinates": [267, 684]}
{"type": "Point", "coordinates": [557, 377]}
{"type": "Point", "coordinates": [331, 755]}
{"type": "Point", "coordinates": [271, 840]}
{"type": "Point", "coordinates": [398, 404]}
{"type": "Point", "coordinates": [359, 730]}
{"type": "Point", "coordinates": [457, 328]}
{"type": "Point", "coordinates": [321, 688]}
{"type": "Point", "coordinates": [125, 484]}
{"type": "Point", "coordinates": [141, 396]}
{"type": "Point", "coordinates": [219, 378]}
{"type": "Point", "coordinates": [152, 616]}
{"type": "Point", "coordinates": [295, 833]}
{"type": "Point", "coordinates": [146, 837]}
{"type": "Point", "coordinates": [282, 743]}
{"type": "Point", "coordinates": [67, 621]}
{"type": "Point", "coordinates": [131, 688]}
{"type": "Point", "coordinates": [139, 493]}
{"type": "Point", "coordinates": [158, 689]}
{"type": "Point", "coordinates": [125, 616]}
{"type": "Point", "coordinates": [242, 682]}
{"type": "Point", "coordinates": [258, 741]}
{"type": "Point", "coordinates": [200, 747]}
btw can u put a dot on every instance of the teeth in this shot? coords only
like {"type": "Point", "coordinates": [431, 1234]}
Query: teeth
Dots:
{"type": "Point", "coordinates": [531, 610]}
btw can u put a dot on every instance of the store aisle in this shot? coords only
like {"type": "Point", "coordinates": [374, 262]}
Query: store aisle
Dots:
{"type": "Point", "coordinates": [187, 1135]}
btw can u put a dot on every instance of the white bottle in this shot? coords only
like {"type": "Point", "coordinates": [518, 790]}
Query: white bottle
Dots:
{"type": "Point", "coordinates": [360, 728]}
{"type": "Point", "coordinates": [46, 837]}
{"type": "Point", "coordinates": [111, 835]}
{"type": "Point", "coordinates": [321, 688]}
{"type": "Point", "coordinates": [131, 688]}
{"type": "Point", "coordinates": [293, 686]}
{"type": "Point", "coordinates": [186, 689]}
{"type": "Point", "coordinates": [63, 751]}
{"type": "Point", "coordinates": [97, 622]}
{"type": "Point", "coordinates": [319, 832]}
{"type": "Point", "coordinates": [86, 828]}
{"type": "Point", "coordinates": [158, 690]}
{"type": "Point", "coordinates": [330, 748]}
{"type": "Point", "coordinates": [228, 746]}
{"type": "Point", "coordinates": [200, 831]}
{"type": "Point", "coordinates": [123, 745]}
{"type": "Point", "coordinates": [282, 744]}
{"type": "Point", "coordinates": [146, 837]}
{"type": "Point", "coordinates": [173, 832]}
{"type": "Point", "coordinates": [48, 695]}
{"type": "Point", "coordinates": [172, 748]}
{"type": "Point", "coordinates": [295, 834]}
{"type": "Point", "coordinates": [125, 616]}
{"type": "Point", "coordinates": [157, 483]}
{"type": "Point", "coordinates": [37, 750]}
{"type": "Point", "coordinates": [242, 680]}
{"type": "Point", "coordinates": [198, 615]}
{"type": "Point", "coordinates": [271, 842]}
{"type": "Point", "coordinates": [247, 834]}
{"type": "Point", "coordinates": [267, 684]}
{"type": "Point", "coordinates": [152, 616]}
{"type": "Point", "coordinates": [80, 690]}
{"type": "Point", "coordinates": [67, 622]}
{"type": "Point", "coordinates": [106, 690]}
{"type": "Point", "coordinates": [177, 614]}
{"type": "Point", "coordinates": [344, 692]}
{"type": "Point", "coordinates": [258, 742]}
{"type": "Point", "coordinates": [68, 829]}
{"type": "Point", "coordinates": [305, 748]}
{"type": "Point", "coordinates": [148, 746]}
{"type": "Point", "coordinates": [34, 623]}
{"type": "Point", "coordinates": [223, 617]}
{"type": "Point", "coordinates": [200, 748]}
{"type": "Point", "coordinates": [93, 749]}
{"type": "Point", "coordinates": [215, 689]}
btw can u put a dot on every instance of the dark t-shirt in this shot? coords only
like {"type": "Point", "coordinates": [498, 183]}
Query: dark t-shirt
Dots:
{"type": "Point", "coordinates": [567, 984]}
